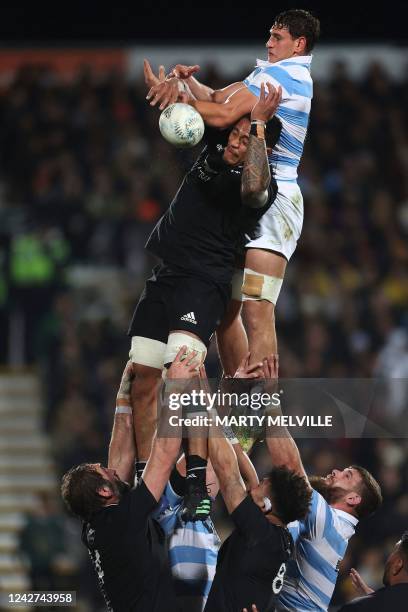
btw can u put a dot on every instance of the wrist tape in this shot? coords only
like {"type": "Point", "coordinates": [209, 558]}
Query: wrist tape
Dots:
{"type": "Point", "coordinates": [257, 129]}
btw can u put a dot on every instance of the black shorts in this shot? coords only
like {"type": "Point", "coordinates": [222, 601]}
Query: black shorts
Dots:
{"type": "Point", "coordinates": [174, 300]}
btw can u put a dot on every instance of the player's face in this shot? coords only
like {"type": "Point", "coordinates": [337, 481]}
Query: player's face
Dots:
{"type": "Point", "coordinates": [281, 45]}
{"type": "Point", "coordinates": [107, 473]}
{"type": "Point", "coordinates": [348, 479]}
{"type": "Point", "coordinates": [237, 145]}
{"type": "Point", "coordinates": [118, 486]}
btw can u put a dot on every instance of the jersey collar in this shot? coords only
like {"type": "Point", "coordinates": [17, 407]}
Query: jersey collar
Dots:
{"type": "Point", "coordinates": [302, 60]}
{"type": "Point", "coordinates": [353, 520]}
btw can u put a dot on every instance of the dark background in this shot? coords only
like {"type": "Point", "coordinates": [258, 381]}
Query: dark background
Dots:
{"type": "Point", "coordinates": [229, 22]}
{"type": "Point", "coordinates": [85, 174]}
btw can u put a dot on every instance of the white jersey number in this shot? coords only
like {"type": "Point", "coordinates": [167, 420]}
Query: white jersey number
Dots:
{"type": "Point", "coordinates": [277, 583]}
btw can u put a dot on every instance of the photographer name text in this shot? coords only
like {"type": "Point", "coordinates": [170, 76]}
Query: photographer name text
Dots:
{"type": "Point", "coordinates": [204, 420]}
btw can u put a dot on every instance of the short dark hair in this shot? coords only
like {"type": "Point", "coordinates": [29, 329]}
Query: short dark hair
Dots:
{"type": "Point", "coordinates": [272, 131]}
{"type": "Point", "coordinates": [370, 491]}
{"type": "Point", "coordinates": [403, 548]}
{"type": "Point", "coordinates": [300, 23]}
{"type": "Point", "coordinates": [291, 494]}
{"type": "Point", "coordinates": [79, 490]}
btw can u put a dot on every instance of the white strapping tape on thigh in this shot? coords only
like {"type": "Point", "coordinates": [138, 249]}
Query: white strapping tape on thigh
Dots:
{"type": "Point", "coordinates": [177, 340]}
{"type": "Point", "coordinates": [258, 286]}
{"type": "Point", "coordinates": [237, 281]}
{"type": "Point", "coordinates": [147, 351]}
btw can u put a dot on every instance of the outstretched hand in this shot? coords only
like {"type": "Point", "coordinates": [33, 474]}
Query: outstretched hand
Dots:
{"type": "Point", "coordinates": [150, 78]}
{"type": "Point", "coordinates": [270, 366]}
{"type": "Point", "coordinates": [361, 587]}
{"type": "Point", "coordinates": [181, 71]}
{"type": "Point", "coordinates": [184, 365]}
{"type": "Point", "coordinates": [248, 371]}
{"type": "Point", "coordinates": [267, 104]}
{"type": "Point", "coordinates": [162, 89]}
{"type": "Point", "coordinates": [165, 90]}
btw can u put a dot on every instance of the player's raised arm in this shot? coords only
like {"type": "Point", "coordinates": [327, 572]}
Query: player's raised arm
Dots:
{"type": "Point", "coordinates": [198, 90]}
{"type": "Point", "coordinates": [218, 108]}
{"type": "Point", "coordinates": [165, 91]}
{"type": "Point", "coordinates": [256, 175]}
{"type": "Point", "coordinates": [207, 94]}
{"type": "Point", "coordinates": [122, 448]}
{"type": "Point", "coordinates": [224, 115]}
{"type": "Point", "coordinates": [165, 450]}
{"type": "Point", "coordinates": [225, 464]}
{"type": "Point", "coordinates": [224, 460]}
{"type": "Point", "coordinates": [281, 446]}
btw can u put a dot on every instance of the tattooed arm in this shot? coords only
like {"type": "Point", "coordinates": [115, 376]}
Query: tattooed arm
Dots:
{"type": "Point", "coordinates": [256, 175]}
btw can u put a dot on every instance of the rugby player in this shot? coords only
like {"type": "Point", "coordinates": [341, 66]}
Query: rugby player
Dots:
{"type": "Point", "coordinates": [339, 501]}
{"type": "Point", "coordinates": [126, 545]}
{"type": "Point", "coordinates": [252, 561]}
{"type": "Point", "coordinates": [192, 546]}
{"type": "Point", "coordinates": [292, 38]}
{"type": "Point", "coordinates": [225, 193]}
{"type": "Point", "coordinates": [393, 596]}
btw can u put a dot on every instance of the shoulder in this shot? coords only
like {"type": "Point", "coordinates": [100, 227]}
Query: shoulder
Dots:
{"type": "Point", "coordinates": [318, 518]}
{"type": "Point", "coordinates": [361, 604]}
{"type": "Point", "coordinates": [253, 525]}
{"type": "Point", "coordinates": [292, 75]}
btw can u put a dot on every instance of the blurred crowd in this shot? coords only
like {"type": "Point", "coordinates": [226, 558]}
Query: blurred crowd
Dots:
{"type": "Point", "coordinates": [84, 176]}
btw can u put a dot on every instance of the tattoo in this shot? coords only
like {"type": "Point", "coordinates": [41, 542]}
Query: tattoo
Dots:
{"type": "Point", "coordinates": [256, 175]}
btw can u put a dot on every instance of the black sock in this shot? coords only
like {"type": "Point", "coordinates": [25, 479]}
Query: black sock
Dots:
{"type": "Point", "coordinates": [139, 467]}
{"type": "Point", "coordinates": [196, 468]}
{"type": "Point", "coordinates": [178, 482]}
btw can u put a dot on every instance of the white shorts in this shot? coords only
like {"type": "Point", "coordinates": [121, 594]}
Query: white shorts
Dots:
{"type": "Point", "coordinates": [281, 225]}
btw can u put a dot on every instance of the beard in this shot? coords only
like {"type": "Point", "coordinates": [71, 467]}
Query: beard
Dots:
{"type": "Point", "coordinates": [118, 487]}
{"type": "Point", "coordinates": [329, 492]}
{"type": "Point", "coordinates": [122, 487]}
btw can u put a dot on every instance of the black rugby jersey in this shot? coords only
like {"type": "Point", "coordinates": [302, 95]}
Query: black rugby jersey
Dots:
{"type": "Point", "coordinates": [129, 554]}
{"type": "Point", "coordinates": [392, 598]}
{"type": "Point", "coordinates": [206, 222]}
{"type": "Point", "coordinates": [251, 564]}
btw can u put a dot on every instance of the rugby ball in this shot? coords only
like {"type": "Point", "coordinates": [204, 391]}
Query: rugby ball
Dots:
{"type": "Point", "coordinates": [181, 125]}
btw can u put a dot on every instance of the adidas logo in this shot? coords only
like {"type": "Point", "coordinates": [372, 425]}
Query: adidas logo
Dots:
{"type": "Point", "coordinates": [189, 317]}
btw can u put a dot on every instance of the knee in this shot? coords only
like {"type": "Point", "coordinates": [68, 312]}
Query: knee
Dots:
{"type": "Point", "coordinates": [258, 314]}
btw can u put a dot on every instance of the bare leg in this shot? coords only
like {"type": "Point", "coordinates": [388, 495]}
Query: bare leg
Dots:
{"type": "Point", "coordinates": [197, 504]}
{"type": "Point", "coordinates": [143, 396]}
{"type": "Point", "coordinates": [259, 315]}
{"type": "Point", "coordinates": [232, 340]}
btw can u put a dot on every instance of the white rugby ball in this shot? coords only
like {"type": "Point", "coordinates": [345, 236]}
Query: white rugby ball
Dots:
{"type": "Point", "coordinates": [181, 125]}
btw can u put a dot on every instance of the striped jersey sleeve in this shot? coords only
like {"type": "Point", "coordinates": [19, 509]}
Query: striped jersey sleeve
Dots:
{"type": "Point", "coordinates": [293, 75]}
{"type": "Point", "coordinates": [321, 541]}
{"type": "Point", "coordinates": [193, 550]}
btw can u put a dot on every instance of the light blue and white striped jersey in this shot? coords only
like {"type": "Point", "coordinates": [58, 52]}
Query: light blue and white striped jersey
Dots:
{"type": "Point", "coordinates": [193, 550]}
{"type": "Point", "coordinates": [321, 541]}
{"type": "Point", "coordinates": [293, 74]}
